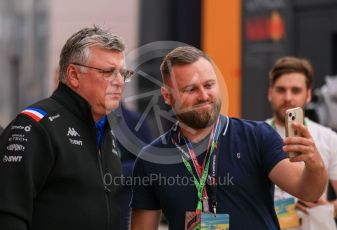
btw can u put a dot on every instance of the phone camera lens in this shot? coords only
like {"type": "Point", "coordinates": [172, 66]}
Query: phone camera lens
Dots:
{"type": "Point", "coordinates": [290, 114]}
{"type": "Point", "coordinates": [293, 117]}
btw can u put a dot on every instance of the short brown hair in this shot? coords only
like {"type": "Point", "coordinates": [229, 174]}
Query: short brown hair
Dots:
{"type": "Point", "coordinates": [180, 56]}
{"type": "Point", "coordinates": [287, 65]}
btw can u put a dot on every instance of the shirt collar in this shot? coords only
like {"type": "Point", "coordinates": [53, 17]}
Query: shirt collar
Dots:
{"type": "Point", "coordinates": [100, 129]}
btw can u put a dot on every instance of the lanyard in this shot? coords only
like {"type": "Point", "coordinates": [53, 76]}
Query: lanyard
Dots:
{"type": "Point", "coordinates": [202, 171]}
{"type": "Point", "coordinates": [213, 180]}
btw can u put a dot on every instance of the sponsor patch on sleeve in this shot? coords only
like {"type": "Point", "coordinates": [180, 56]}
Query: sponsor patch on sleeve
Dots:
{"type": "Point", "coordinates": [35, 113]}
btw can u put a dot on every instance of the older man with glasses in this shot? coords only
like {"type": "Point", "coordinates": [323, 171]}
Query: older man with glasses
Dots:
{"type": "Point", "coordinates": [59, 156]}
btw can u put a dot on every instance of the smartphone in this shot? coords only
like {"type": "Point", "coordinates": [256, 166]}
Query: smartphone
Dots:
{"type": "Point", "coordinates": [293, 115]}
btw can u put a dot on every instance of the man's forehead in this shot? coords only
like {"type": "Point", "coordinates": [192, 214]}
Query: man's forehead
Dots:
{"type": "Point", "coordinates": [110, 57]}
{"type": "Point", "coordinates": [195, 79]}
{"type": "Point", "coordinates": [291, 79]}
{"type": "Point", "coordinates": [289, 86]}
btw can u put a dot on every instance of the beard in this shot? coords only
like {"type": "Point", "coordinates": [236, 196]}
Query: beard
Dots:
{"type": "Point", "coordinates": [202, 119]}
{"type": "Point", "coordinates": [280, 111]}
{"type": "Point", "coordinates": [279, 116]}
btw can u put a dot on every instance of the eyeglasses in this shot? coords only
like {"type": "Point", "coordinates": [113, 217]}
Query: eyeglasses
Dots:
{"type": "Point", "coordinates": [112, 73]}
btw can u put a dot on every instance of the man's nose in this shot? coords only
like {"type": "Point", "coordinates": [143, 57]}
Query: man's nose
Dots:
{"type": "Point", "coordinates": [203, 94]}
{"type": "Point", "coordinates": [288, 95]}
{"type": "Point", "coordinates": [118, 79]}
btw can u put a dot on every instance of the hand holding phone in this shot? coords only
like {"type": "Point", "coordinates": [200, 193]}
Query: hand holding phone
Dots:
{"type": "Point", "coordinates": [293, 115]}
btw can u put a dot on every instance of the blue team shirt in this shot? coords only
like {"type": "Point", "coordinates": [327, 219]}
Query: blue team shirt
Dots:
{"type": "Point", "coordinates": [248, 151]}
{"type": "Point", "coordinates": [100, 130]}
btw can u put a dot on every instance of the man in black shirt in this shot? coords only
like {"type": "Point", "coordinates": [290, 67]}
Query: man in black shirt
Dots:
{"type": "Point", "coordinates": [58, 157]}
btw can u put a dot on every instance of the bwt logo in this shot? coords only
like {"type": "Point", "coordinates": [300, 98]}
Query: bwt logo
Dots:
{"type": "Point", "coordinates": [6, 159]}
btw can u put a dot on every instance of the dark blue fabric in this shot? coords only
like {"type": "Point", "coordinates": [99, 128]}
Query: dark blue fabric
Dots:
{"type": "Point", "coordinates": [123, 123]}
{"type": "Point", "coordinates": [248, 152]}
{"type": "Point", "coordinates": [100, 129]}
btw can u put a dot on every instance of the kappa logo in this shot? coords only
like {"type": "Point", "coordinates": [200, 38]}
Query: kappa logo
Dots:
{"type": "Point", "coordinates": [14, 159]}
{"type": "Point", "coordinates": [16, 147]}
{"type": "Point", "coordinates": [72, 132]}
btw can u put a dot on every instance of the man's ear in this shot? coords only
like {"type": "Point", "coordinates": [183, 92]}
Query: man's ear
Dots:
{"type": "Point", "coordinates": [72, 76]}
{"type": "Point", "coordinates": [166, 95]}
{"type": "Point", "coordinates": [309, 96]}
{"type": "Point", "coordinates": [269, 94]}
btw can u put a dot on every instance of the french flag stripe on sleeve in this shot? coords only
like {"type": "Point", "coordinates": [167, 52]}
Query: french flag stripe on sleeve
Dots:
{"type": "Point", "coordinates": [36, 114]}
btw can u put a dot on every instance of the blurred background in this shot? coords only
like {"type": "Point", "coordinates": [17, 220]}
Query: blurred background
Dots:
{"type": "Point", "coordinates": [244, 38]}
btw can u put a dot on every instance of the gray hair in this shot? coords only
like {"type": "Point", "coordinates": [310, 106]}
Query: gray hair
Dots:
{"type": "Point", "coordinates": [76, 49]}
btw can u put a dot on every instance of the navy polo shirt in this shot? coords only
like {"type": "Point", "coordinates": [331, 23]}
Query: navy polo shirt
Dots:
{"type": "Point", "coordinates": [248, 151]}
